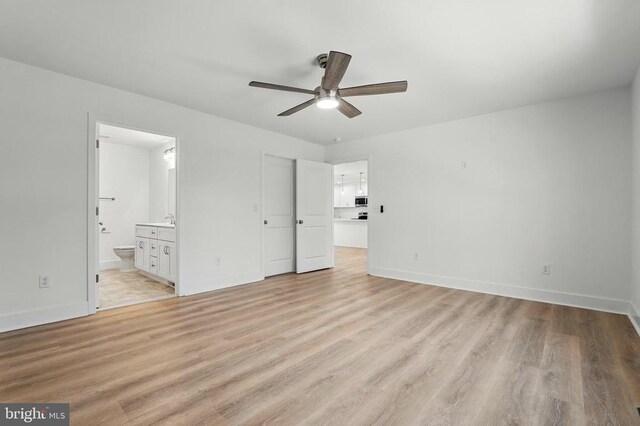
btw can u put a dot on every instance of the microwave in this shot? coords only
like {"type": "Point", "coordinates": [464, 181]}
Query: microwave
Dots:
{"type": "Point", "coordinates": [361, 201]}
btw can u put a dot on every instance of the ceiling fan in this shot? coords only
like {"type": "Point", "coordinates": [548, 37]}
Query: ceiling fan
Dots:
{"type": "Point", "coordinates": [328, 95]}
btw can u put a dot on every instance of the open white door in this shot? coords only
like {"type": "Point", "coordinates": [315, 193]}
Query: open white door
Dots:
{"type": "Point", "coordinates": [314, 210]}
{"type": "Point", "coordinates": [279, 219]}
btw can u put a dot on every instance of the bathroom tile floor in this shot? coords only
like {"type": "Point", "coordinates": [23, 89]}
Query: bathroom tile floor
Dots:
{"type": "Point", "coordinates": [127, 288]}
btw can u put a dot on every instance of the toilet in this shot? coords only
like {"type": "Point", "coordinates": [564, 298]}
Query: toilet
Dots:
{"type": "Point", "coordinates": [126, 255]}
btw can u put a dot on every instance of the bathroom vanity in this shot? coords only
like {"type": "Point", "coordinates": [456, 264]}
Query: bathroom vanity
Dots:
{"type": "Point", "coordinates": [156, 250]}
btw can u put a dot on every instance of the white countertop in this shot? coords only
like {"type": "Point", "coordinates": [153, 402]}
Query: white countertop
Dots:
{"type": "Point", "coordinates": [157, 225]}
{"type": "Point", "coordinates": [338, 219]}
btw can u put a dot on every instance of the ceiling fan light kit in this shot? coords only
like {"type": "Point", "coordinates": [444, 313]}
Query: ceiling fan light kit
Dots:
{"type": "Point", "coordinates": [326, 99]}
{"type": "Point", "coordinates": [328, 95]}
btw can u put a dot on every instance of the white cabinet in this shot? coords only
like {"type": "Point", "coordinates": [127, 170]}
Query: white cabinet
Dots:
{"type": "Point", "coordinates": [350, 233]}
{"type": "Point", "coordinates": [344, 195]}
{"type": "Point", "coordinates": [142, 253]}
{"type": "Point", "coordinates": [167, 260]}
{"type": "Point", "coordinates": [156, 251]}
{"type": "Point", "coordinates": [364, 190]}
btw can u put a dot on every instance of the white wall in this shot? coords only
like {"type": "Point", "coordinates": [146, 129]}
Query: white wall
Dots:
{"type": "Point", "coordinates": [159, 183]}
{"type": "Point", "coordinates": [547, 183]}
{"type": "Point", "coordinates": [635, 293]}
{"type": "Point", "coordinates": [124, 174]}
{"type": "Point", "coordinates": [43, 189]}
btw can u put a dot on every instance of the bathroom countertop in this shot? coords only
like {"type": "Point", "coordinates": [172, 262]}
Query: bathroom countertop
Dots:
{"type": "Point", "coordinates": [157, 225]}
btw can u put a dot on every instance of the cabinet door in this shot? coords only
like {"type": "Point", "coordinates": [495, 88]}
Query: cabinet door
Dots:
{"type": "Point", "coordinates": [348, 195]}
{"type": "Point", "coordinates": [142, 254]}
{"type": "Point", "coordinates": [364, 190]}
{"type": "Point", "coordinates": [173, 261]}
{"type": "Point", "coordinates": [336, 196]}
{"type": "Point", "coordinates": [163, 259]}
{"type": "Point", "coordinates": [167, 260]}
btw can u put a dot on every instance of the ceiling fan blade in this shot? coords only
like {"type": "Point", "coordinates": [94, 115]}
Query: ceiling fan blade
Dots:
{"type": "Point", "coordinates": [297, 108]}
{"type": "Point", "coordinates": [337, 64]}
{"type": "Point", "coordinates": [280, 87]}
{"type": "Point", "coordinates": [374, 89]}
{"type": "Point", "coordinates": [347, 109]}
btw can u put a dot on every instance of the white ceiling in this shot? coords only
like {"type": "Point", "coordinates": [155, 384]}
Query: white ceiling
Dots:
{"type": "Point", "coordinates": [461, 57]}
{"type": "Point", "coordinates": [351, 172]}
{"type": "Point", "coordinates": [122, 136]}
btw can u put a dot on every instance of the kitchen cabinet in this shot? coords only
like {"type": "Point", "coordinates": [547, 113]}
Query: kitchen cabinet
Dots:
{"type": "Point", "coordinates": [344, 196]}
{"type": "Point", "coordinates": [350, 233]}
{"type": "Point", "coordinates": [156, 250]}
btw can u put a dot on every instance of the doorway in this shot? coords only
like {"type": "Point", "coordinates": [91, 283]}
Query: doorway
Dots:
{"type": "Point", "coordinates": [351, 214]}
{"type": "Point", "coordinates": [135, 254]}
{"type": "Point", "coordinates": [297, 215]}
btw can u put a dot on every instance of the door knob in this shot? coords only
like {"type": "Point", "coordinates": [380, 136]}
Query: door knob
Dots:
{"type": "Point", "coordinates": [300, 222]}
{"type": "Point", "coordinates": [266, 221]}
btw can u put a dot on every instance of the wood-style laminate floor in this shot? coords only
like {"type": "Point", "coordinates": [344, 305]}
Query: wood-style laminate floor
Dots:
{"type": "Point", "coordinates": [332, 347]}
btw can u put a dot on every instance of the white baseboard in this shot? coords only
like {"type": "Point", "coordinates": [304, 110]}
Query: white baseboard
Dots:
{"type": "Point", "coordinates": [634, 316]}
{"type": "Point", "coordinates": [189, 288]}
{"type": "Point", "coordinates": [617, 306]}
{"type": "Point", "coordinates": [24, 319]}
{"type": "Point", "coordinates": [109, 264]}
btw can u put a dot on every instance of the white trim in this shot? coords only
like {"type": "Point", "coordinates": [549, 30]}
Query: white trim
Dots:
{"type": "Point", "coordinates": [634, 316]}
{"type": "Point", "coordinates": [263, 240]}
{"type": "Point", "coordinates": [109, 264]}
{"type": "Point", "coordinates": [92, 199]}
{"type": "Point", "coordinates": [92, 218]}
{"type": "Point", "coordinates": [204, 286]}
{"type": "Point", "coordinates": [617, 306]}
{"type": "Point", "coordinates": [24, 319]}
{"type": "Point", "coordinates": [353, 159]}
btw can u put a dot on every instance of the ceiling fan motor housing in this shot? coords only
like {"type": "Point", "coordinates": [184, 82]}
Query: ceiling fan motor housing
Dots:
{"type": "Point", "coordinates": [323, 93]}
{"type": "Point", "coordinates": [322, 60]}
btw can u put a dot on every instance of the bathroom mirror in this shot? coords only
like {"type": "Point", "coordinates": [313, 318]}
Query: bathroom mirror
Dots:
{"type": "Point", "coordinates": [171, 189]}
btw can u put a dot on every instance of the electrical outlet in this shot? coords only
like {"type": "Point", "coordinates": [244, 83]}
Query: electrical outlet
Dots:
{"type": "Point", "coordinates": [546, 269]}
{"type": "Point", "coordinates": [217, 261]}
{"type": "Point", "coordinates": [415, 257]}
{"type": "Point", "coordinates": [45, 282]}
{"type": "Point", "coordinates": [464, 164]}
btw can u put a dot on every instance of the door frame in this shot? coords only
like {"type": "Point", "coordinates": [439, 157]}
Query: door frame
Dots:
{"type": "Point", "coordinates": [93, 180]}
{"type": "Point", "coordinates": [263, 236]}
{"type": "Point", "coordinates": [368, 159]}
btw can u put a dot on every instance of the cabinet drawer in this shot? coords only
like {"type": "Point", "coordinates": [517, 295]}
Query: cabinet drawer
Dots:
{"type": "Point", "coordinates": [153, 265]}
{"type": "Point", "coordinates": [153, 248]}
{"type": "Point", "coordinates": [142, 231]}
{"type": "Point", "coordinates": [167, 234]}
{"type": "Point", "coordinates": [146, 231]}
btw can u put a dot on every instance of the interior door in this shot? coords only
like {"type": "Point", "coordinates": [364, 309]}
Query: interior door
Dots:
{"type": "Point", "coordinates": [314, 211]}
{"type": "Point", "coordinates": [279, 215]}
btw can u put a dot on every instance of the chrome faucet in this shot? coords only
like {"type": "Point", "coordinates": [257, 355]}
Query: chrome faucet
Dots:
{"type": "Point", "coordinates": [172, 218]}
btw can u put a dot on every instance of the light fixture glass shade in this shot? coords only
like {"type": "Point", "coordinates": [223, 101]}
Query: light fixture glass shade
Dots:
{"type": "Point", "coordinates": [170, 154]}
{"type": "Point", "coordinates": [327, 103]}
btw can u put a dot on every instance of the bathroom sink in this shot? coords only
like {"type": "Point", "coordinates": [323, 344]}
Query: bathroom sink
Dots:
{"type": "Point", "coordinates": [164, 225]}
